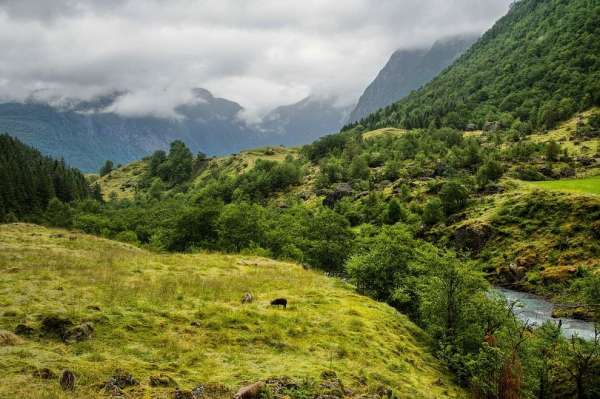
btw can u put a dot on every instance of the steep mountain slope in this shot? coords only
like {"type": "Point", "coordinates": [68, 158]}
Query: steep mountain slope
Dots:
{"type": "Point", "coordinates": [538, 65]}
{"type": "Point", "coordinates": [178, 318]}
{"type": "Point", "coordinates": [304, 121]}
{"type": "Point", "coordinates": [407, 70]}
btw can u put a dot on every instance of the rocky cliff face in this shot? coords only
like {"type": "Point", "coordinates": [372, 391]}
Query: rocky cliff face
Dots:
{"type": "Point", "coordinates": [408, 70]}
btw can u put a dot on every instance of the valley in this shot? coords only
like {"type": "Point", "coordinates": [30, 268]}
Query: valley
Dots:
{"type": "Point", "coordinates": [444, 243]}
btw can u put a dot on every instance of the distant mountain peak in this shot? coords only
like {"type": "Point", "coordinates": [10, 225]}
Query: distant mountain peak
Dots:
{"type": "Point", "coordinates": [408, 70]}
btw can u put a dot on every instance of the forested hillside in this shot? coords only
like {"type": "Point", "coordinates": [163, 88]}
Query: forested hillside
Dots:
{"type": "Point", "coordinates": [537, 66]}
{"type": "Point", "coordinates": [29, 180]}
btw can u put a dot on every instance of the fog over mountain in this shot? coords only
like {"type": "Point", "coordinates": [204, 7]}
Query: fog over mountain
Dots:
{"type": "Point", "coordinates": [119, 79]}
{"type": "Point", "coordinates": [259, 54]}
{"type": "Point", "coordinates": [408, 70]}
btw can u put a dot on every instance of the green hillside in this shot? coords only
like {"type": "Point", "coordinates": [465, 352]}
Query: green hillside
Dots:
{"type": "Point", "coordinates": [180, 317]}
{"type": "Point", "coordinates": [537, 66]}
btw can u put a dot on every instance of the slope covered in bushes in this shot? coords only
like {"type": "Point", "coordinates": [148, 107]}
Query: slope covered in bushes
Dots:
{"type": "Point", "coordinates": [537, 66]}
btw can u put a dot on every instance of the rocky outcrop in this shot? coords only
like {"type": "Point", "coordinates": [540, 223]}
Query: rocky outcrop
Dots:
{"type": "Point", "coordinates": [340, 191]}
{"type": "Point", "coordinates": [472, 236]}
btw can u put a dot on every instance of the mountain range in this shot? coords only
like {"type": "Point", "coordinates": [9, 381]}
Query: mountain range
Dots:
{"type": "Point", "coordinates": [85, 134]}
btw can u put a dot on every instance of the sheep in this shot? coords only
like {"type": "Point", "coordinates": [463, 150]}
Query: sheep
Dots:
{"type": "Point", "coordinates": [279, 301]}
{"type": "Point", "coordinates": [247, 298]}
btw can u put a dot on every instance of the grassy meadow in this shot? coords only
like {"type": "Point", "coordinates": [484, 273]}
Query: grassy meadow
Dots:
{"type": "Point", "coordinates": [588, 185]}
{"type": "Point", "coordinates": [180, 316]}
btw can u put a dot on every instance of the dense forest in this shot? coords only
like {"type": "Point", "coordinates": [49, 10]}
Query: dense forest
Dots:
{"type": "Point", "coordinates": [538, 65]}
{"type": "Point", "coordinates": [30, 181]}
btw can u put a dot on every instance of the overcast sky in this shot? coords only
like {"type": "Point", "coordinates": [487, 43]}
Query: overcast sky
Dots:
{"type": "Point", "coordinates": [260, 53]}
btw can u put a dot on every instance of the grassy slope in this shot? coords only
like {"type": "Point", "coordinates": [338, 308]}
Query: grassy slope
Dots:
{"type": "Point", "coordinates": [122, 181]}
{"type": "Point", "coordinates": [149, 302]}
{"type": "Point", "coordinates": [588, 185]}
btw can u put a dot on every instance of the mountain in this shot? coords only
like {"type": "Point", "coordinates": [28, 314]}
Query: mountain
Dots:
{"type": "Point", "coordinates": [304, 121]}
{"type": "Point", "coordinates": [86, 137]}
{"type": "Point", "coordinates": [538, 65]}
{"type": "Point", "coordinates": [408, 70]}
{"type": "Point", "coordinates": [85, 134]}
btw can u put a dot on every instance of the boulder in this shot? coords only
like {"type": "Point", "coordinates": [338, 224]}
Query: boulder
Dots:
{"type": "Point", "coordinates": [162, 381]}
{"type": "Point", "coordinates": [56, 326]}
{"type": "Point", "coordinates": [44, 374]}
{"type": "Point", "coordinates": [331, 386]}
{"type": "Point", "coordinates": [24, 330]}
{"type": "Point", "coordinates": [251, 391]}
{"type": "Point", "coordinates": [80, 332]}
{"type": "Point", "coordinates": [472, 237]}
{"type": "Point", "coordinates": [340, 191]}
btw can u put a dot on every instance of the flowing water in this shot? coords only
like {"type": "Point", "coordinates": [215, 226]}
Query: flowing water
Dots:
{"type": "Point", "coordinates": [534, 309]}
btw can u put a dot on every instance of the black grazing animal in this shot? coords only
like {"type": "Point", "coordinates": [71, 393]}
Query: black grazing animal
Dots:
{"type": "Point", "coordinates": [279, 302]}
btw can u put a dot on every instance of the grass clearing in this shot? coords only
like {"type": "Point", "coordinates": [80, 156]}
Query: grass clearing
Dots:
{"type": "Point", "coordinates": [181, 316]}
{"type": "Point", "coordinates": [588, 185]}
{"type": "Point", "coordinates": [386, 131]}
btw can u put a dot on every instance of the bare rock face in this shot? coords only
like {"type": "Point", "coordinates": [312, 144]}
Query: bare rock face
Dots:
{"type": "Point", "coordinates": [251, 391]}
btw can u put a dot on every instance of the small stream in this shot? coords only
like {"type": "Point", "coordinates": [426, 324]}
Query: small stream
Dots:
{"type": "Point", "coordinates": [534, 309]}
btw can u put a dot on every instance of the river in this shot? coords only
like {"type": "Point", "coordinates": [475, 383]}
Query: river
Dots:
{"type": "Point", "coordinates": [534, 309]}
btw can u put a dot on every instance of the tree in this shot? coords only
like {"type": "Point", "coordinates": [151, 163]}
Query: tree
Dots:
{"type": "Point", "coordinates": [58, 214]}
{"type": "Point", "coordinates": [433, 212]}
{"type": "Point", "coordinates": [179, 163]}
{"type": "Point", "coordinates": [581, 357]}
{"type": "Point", "coordinates": [240, 226]}
{"type": "Point", "coordinates": [454, 197]}
{"type": "Point", "coordinates": [106, 168]}
{"type": "Point", "coordinates": [490, 171]}
{"type": "Point", "coordinates": [388, 270]}
{"type": "Point", "coordinates": [552, 151]}
{"type": "Point", "coordinates": [359, 168]}
{"type": "Point", "coordinates": [395, 212]}
{"type": "Point", "coordinates": [156, 160]}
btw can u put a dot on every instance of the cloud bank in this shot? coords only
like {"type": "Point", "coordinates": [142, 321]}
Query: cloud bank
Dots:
{"type": "Point", "coordinates": [260, 53]}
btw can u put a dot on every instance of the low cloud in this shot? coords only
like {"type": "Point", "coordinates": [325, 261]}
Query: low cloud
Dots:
{"type": "Point", "coordinates": [260, 53]}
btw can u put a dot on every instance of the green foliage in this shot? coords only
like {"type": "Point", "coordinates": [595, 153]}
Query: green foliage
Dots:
{"type": "Point", "coordinates": [552, 151]}
{"type": "Point", "coordinates": [174, 168]}
{"type": "Point", "coordinates": [433, 212]}
{"type": "Point", "coordinates": [391, 267]}
{"type": "Point", "coordinates": [454, 197]}
{"type": "Point", "coordinates": [58, 214]}
{"type": "Point", "coordinates": [240, 226]}
{"type": "Point", "coordinates": [491, 171]}
{"type": "Point", "coordinates": [29, 180]}
{"type": "Point", "coordinates": [106, 168]}
{"type": "Point", "coordinates": [538, 65]}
